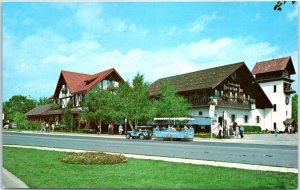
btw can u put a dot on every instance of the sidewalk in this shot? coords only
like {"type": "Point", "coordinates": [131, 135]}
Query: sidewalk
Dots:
{"type": "Point", "coordinates": [11, 181]}
{"type": "Point", "coordinates": [270, 139]}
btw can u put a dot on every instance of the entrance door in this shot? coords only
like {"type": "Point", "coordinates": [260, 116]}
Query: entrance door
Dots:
{"type": "Point", "coordinates": [220, 120]}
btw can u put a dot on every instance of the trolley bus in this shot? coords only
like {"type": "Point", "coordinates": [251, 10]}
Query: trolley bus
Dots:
{"type": "Point", "coordinates": [173, 128]}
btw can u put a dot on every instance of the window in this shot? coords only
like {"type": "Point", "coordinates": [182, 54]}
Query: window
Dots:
{"type": "Point", "coordinates": [200, 113]}
{"type": "Point", "coordinates": [232, 118]}
{"type": "Point", "coordinates": [246, 119]}
{"type": "Point", "coordinates": [274, 108]}
{"type": "Point", "coordinates": [274, 88]}
{"type": "Point", "coordinates": [257, 119]}
{"type": "Point", "coordinates": [216, 93]}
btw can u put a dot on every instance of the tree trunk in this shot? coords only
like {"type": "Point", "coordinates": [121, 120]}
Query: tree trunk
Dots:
{"type": "Point", "coordinates": [130, 124]}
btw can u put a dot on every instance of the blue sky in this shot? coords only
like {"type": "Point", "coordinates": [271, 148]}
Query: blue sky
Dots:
{"type": "Point", "coordinates": [154, 39]}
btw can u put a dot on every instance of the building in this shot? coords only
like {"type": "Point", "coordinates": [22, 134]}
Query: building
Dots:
{"type": "Point", "coordinates": [234, 92]}
{"type": "Point", "coordinates": [71, 89]}
{"type": "Point", "coordinates": [274, 76]}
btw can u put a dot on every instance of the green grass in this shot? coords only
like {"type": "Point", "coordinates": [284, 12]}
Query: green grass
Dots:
{"type": "Point", "coordinates": [42, 169]}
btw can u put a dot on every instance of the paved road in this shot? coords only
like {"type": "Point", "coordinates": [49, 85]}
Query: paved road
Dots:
{"type": "Point", "coordinates": [272, 155]}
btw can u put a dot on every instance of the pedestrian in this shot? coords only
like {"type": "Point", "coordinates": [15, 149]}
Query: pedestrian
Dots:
{"type": "Point", "coordinates": [53, 127]}
{"type": "Point", "coordinates": [242, 131]}
{"type": "Point", "coordinates": [289, 129]}
{"type": "Point", "coordinates": [237, 131]}
{"type": "Point", "coordinates": [120, 129]}
{"type": "Point", "coordinates": [275, 131]}
{"type": "Point", "coordinates": [112, 128]}
{"type": "Point", "coordinates": [99, 129]}
{"type": "Point", "coordinates": [46, 128]}
{"type": "Point", "coordinates": [109, 128]}
{"type": "Point", "coordinates": [220, 130]}
{"type": "Point", "coordinates": [231, 134]}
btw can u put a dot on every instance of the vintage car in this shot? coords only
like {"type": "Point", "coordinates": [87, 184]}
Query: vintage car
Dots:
{"type": "Point", "coordinates": [140, 133]}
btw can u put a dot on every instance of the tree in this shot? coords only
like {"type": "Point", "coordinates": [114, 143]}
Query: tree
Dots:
{"type": "Point", "coordinates": [140, 97]}
{"type": "Point", "coordinates": [20, 120]}
{"type": "Point", "coordinates": [170, 104]}
{"type": "Point", "coordinates": [68, 117]}
{"type": "Point", "coordinates": [133, 101]}
{"type": "Point", "coordinates": [43, 101]}
{"type": "Point", "coordinates": [98, 105]}
{"type": "Point", "coordinates": [18, 103]}
{"type": "Point", "coordinates": [295, 109]}
{"type": "Point", "coordinates": [279, 4]}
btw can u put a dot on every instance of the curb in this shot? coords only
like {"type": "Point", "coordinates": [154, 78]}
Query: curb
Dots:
{"type": "Point", "coordinates": [9, 180]}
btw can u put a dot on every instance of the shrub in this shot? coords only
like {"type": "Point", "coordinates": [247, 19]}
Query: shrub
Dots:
{"type": "Point", "coordinates": [89, 158]}
{"type": "Point", "coordinates": [34, 125]}
{"type": "Point", "coordinates": [253, 128]}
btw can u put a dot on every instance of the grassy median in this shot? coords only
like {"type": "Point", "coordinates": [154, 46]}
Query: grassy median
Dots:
{"type": "Point", "coordinates": [43, 169]}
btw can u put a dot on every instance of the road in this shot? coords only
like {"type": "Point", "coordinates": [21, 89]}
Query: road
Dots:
{"type": "Point", "coordinates": [270, 155]}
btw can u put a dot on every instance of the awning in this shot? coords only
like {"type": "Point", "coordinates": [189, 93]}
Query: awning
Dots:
{"type": "Point", "coordinates": [200, 121]}
{"type": "Point", "coordinates": [288, 121]}
{"type": "Point", "coordinates": [173, 118]}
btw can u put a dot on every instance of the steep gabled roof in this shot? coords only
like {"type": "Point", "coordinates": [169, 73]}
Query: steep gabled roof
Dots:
{"type": "Point", "coordinates": [273, 65]}
{"type": "Point", "coordinates": [39, 110]}
{"type": "Point", "coordinates": [208, 78]}
{"type": "Point", "coordinates": [79, 82]}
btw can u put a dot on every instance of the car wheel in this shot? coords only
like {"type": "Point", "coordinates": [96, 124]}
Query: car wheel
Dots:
{"type": "Point", "coordinates": [142, 136]}
{"type": "Point", "coordinates": [128, 136]}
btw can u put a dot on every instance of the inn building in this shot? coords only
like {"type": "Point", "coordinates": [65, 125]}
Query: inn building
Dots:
{"type": "Point", "coordinates": [236, 94]}
{"type": "Point", "coordinates": [70, 89]}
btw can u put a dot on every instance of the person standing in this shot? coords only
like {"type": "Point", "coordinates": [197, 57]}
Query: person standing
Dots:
{"type": "Point", "coordinates": [112, 128]}
{"type": "Point", "coordinates": [109, 128]}
{"type": "Point", "coordinates": [242, 131]}
{"type": "Point", "coordinates": [120, 129]}
{"type": "Point", "coordinates": [275, 131]}
{"type": "Point", "coordinates": [220, 130]}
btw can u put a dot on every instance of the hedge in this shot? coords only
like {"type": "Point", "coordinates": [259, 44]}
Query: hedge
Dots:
{"type": "Point", "coordinates": [252, 128]}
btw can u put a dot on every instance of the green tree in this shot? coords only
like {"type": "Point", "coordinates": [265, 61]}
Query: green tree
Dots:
{"type": "Point", "coordinates": [98, 105]}
{"type": "Point", "coordinates": [295, 109]}
{"type": "Point", "coordinates": [20, 120]}
{"type": "Point", "coordinates": [279, 4]}
{"type": "Point", "coordinates": [140, 100]}
{"type": "Point", "coordinates": [18, 103]}
{"type": "Point", "coordinates": [170, 104]}
{"type": "Point", "coordinates": [133, 101]}
{"type": "Point", "coordinates": [68, 118]}
{"type": "Point", "coordinates": [43, 101]}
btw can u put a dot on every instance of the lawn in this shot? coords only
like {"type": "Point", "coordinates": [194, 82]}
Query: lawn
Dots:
{"type": "Point", "coordinates": [42, 169]}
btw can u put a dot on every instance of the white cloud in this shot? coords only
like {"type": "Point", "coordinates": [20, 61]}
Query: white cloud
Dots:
{"type": "Point", "coordinates": [294, 14]}
{"type": "Point", "coordinates": [92, 20]}
{"type": "Point", "coordinates": [42, 56]}
{"type": "Point", "coordinates": [198, 25]}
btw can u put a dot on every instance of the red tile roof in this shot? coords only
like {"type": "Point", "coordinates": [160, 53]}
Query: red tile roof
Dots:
{"type": "Point", "coordinates": [279, 64]}
{"type": "Point", "coordinates": [79, 82]}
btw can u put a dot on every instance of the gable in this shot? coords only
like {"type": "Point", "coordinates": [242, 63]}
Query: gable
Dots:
{"type": "Point", "coordinates": [274, 65]}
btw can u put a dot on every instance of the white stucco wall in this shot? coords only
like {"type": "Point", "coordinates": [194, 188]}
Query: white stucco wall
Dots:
{"type": "Point", "coordinates": [283, 111]}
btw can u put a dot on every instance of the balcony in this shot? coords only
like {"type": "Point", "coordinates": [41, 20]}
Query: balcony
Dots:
{"type": "Point", "coordinates": [235, 103]}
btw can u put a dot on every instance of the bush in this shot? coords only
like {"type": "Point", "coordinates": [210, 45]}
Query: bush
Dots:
{"type": "Point", "coordinates": [33, 125]}
{"type": "Point", "coordinates": [89, 158]}
{"type": "Point", "coordinates": [252, 128]}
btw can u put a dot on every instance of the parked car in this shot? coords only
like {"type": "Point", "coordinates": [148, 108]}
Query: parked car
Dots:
{"type": "Point", "coordinates": [141, 132]}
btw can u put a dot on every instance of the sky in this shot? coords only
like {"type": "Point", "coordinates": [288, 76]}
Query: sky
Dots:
{"type": "Point", "coordinates": [156, 39]}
